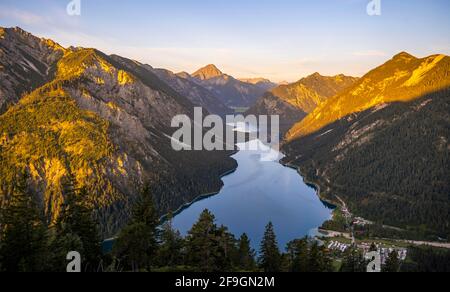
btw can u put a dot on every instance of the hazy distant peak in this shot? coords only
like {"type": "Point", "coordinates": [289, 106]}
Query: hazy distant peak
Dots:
{"type": "Point", "coordinates": [320, 79]}
{"type": "Point", "coordinates": [207, 72]}
{"type": "Point", "coordinates": [255, 80]}
{"type": "Point", "coordinates": [317, 75]}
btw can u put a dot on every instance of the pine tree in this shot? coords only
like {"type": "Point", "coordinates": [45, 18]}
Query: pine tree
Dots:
{"type": "Point", "coordinates": [24, 240]}
{"type": "Point", "coordinates": [61, 245]}
{"type": "Point", "coordinates": [144, 210]}
{"type": "Point", "coordinates": [270, 258]}
{"type": "Point", "coordinates": [172, 243]}
{"type": "Point", "coordinates": [246, 254]}
{"type": "Point", "coordinates": [307, 256]}
{"type": "Point", "coordinates": [319, 259]}
{"type": "Point", "coordinates": [137, 243]}
{"type": "Point", "coordinates": [298, 256]}
{"type": "Point", "coordinates": [227, 252]}
{"type": "Point", "coordinates": [354, 262]}
{"type": "Point", "coordinates": [314, 259]}
{"type": "Point", "coordinates": [392, 263]}
{"type": "Point", "coordinates": [202, 248]}
{"type": "Point", "coordinates": [76, 230]}
{"type": "Point", "coordinates": [133, 247]}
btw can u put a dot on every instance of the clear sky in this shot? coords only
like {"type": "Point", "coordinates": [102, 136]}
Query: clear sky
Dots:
{"type": "Point", "coordinates": [276, 39]}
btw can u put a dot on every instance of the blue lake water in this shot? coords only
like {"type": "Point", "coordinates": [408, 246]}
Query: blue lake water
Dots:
{"type": "Point", "coordinates": [257, 193]}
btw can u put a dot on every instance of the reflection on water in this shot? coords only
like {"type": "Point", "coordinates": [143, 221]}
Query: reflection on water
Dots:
{"type": "Point", "coordinates": [258, 192]}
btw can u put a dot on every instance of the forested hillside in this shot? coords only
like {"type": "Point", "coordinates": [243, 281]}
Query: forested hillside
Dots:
{"type": "Point", "coordinates": [390, 164]}
{"type": "Point", "coordinates": [106, 122]}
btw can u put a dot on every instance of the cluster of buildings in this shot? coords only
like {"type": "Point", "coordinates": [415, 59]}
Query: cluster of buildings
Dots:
{"type": "Point", "coordinates": [385, 252]}
{"type": "Point", "coordinates": [365, 247]}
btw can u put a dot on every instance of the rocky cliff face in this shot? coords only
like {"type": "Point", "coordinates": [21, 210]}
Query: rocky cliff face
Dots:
{"type": "Point", "coordinates": [25, 63]}
{"type": "Point", "coordinates": [106, 122]}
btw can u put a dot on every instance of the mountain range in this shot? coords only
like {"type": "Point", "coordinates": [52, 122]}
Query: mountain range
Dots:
{"type": "Point", "coordinates": [403, 78]}
{"type": "Point", "coordinates": [307, 93]}
{"type": "Point", "coordinates": [196, 93]}
{"type": "Point", "coordinates": [382, 146]}
{"type": "Point", "coordinates": [380, 143]}
{"type": "Point", "coordinates": [103, 121]}
{"type": "Point", "coordinates": [292, 102]}
{"type": "Point", "coordinates": [231, 91]}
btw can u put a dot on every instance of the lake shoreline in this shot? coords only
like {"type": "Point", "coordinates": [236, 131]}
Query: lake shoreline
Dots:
{"type": "Point", "coordinates": [107, 243]}
{"type": "Point", "coordinates": [261, 191]}
{"type": "Point", "coordinates": [204, 196]}
{"type": "Point", "coordinates": [314, 185]}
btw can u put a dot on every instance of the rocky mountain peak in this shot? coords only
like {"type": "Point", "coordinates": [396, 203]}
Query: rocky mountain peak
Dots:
{"type": "Point", "coordinates": [18, 35]}
{"type": "Point", "coordinates": [27, 62]}
{"type": "Point", "coordinates": [404, 56]}
{"type": "Point", "coordinates": [207, 72]}
{"type": "Point", "coordinates": [315, 75]}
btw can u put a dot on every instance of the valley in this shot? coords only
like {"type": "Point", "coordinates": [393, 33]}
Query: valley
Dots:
{"type": "Point", "coordinates": [364, 161]}
{"type": "Point", "coordinates": [363, 156]}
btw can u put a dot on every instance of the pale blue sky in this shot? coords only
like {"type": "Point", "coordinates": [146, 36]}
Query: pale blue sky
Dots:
{"type": "Point", "coordinates": [280, 40]}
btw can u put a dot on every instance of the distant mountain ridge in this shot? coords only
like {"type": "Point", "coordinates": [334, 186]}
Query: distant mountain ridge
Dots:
{"type": "Point", "coordinates": [263, 83]}
{"type": "Point", "coordinates": [255, 80]}
{"type": "Point", "coordinates": [231, 91]}
{"type": "Point", "coordinates": [294, 101]}
{"type": "Point", "coordinates": [307, 93]}
{"type": "Point", "coordinates": [403, 78]}
{"type": "Point", "coordinates": [196, 93]}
